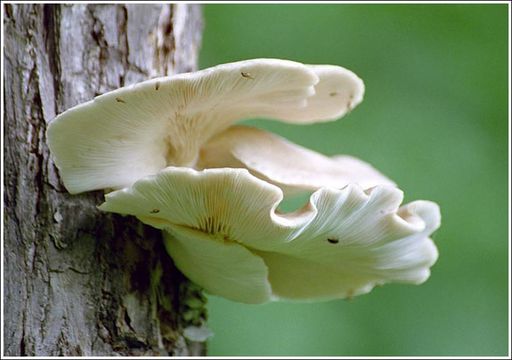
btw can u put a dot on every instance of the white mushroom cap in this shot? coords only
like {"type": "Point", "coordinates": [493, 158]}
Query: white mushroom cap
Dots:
{"type": "Point", "coordinates": [338, 91]}
{"type": "Point", "coordinates": [135, 131]}
{"type": "Point", "coordinates": [291, 167]}
{"type": "Point", "coordinates": [224, 232]}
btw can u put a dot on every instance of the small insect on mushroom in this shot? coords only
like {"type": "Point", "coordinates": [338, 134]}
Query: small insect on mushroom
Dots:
{"type": "Point", "coordinates": [247, 75]}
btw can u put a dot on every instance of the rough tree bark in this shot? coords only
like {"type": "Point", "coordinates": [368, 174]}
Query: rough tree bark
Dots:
{"type": "Point", "coordinates": [78, 281]}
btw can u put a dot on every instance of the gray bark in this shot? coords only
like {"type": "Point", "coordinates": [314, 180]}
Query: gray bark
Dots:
{"type": "Point", "coordinates": [78, 281]}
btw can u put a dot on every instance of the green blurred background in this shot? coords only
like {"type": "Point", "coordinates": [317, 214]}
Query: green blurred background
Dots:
{"type": "Point", "coordinates": [434, 119]}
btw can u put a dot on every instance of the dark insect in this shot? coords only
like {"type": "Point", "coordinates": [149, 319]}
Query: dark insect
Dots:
{"type": "Point", "coordinates": [333, 241]}
{"type": "Point", "coordinates": [246, 75]}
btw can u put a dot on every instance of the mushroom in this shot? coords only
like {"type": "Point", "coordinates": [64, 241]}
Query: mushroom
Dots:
{"type": "Point", "coordinates": [291, 167]}
{"type": "Point", "coordinates": [223, 231]}
{"type": "Point", "coordinates": [169, 149]}
{"type": "Point", "coordinates": [135, 131]}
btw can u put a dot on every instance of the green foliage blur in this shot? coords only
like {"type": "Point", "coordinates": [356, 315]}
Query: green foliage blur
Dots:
{"type": "Point", "coordinates": [434, 119]}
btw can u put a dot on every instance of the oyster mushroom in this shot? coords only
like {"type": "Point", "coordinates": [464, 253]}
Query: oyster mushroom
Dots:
{"type": "Point", "coordinates": [170, 148]}
{"type": "Point", "coordinates": [223, 231]}
{"type": "Point", "coordinates": [291, 167]}
{"type": "Point", "coordinates": [135, 131]}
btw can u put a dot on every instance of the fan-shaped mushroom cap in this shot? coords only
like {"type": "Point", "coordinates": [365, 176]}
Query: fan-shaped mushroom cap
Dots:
{"type": "Point", "coordinates": [291, 167]}
{"type": "Point", "coordinates": [225, 234]}
{"type": "Point", "coordinates": [131, 132]}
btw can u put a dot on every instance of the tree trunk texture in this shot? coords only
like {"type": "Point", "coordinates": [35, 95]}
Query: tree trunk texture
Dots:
{"type": "Point", "coordinates": [78, 281]}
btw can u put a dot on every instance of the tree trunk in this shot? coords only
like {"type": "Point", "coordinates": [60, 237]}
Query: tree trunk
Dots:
{"type": "Point", "coordinates": [78, 281]}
